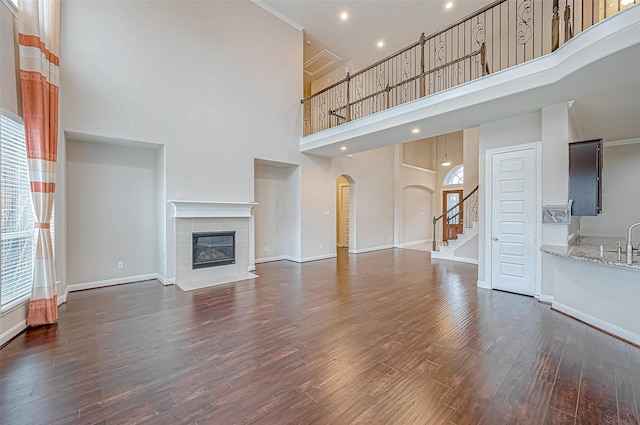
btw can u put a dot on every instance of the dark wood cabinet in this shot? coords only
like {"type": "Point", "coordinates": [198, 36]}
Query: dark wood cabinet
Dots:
{"type": "Point", "coordinates": [585, 177]}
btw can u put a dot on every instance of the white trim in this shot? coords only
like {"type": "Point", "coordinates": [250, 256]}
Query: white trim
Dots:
{"type": "Point", "coordinates": [453, 258]}
{"type": "Point", "coordinates": [622, 142]}
{"type": "Point", "coordinates": [406, 244]}
{"type": "Point", "coordinates": [12, 7]}
{"type": "Point", "coordinates": [375, 248]}
{"type": "Point", "coordinates": [278, 14]}
{"type": "Point", "coordinates": [415, 167]}
{"type": "Point", "coordinates": [14, 331]}
{"type": "Point", "coordinates": [7, 113]}
{"type": "Point", "coordinates": [307, 259]}
{"type": "Point", "coordinates": [537, 151]}
{"type": "Point", "coordinates": [465, 260]}
{"type": "Point", "coordinates": [111, 282]}
{"type": "Point", "coordinates": [547, 299]}
{"type": "Point", "coordinates": [15, 304]}
{"type": "Point", "coordinates": [191, 209]}
{"type": "Point", "coordinates": [62, 299]}
{"type": "Point", "coordinates": [251, 268]}
{"type": "Point", "coordinates": [482, 284]}
{"type": "Point", "coordinates": [165, 281]}
{"type": "Point", "coordinates": [269, 259]}
{"type": "Point", "coordinates": [597, 323]}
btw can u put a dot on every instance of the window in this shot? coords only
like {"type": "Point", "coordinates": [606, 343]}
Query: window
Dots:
{"type": "Point", "coordinates": [17, 214]}
{"type": "Point", "coordinates": [455, 175]}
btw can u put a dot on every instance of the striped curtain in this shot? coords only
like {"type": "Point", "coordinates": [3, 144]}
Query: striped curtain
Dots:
{"type": "Point", "coordinates": [39, 44]}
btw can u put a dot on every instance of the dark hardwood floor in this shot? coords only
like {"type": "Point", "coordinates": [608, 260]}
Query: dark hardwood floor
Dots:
{"type": "Point", "coordinates": [380, 338]}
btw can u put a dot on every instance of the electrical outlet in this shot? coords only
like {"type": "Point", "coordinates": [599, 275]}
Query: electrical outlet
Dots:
{"type": "Point", "coordinates": [320, 246]}
{"type": "Point", "coordinates": [265, 248]}
{"type": "Point", "coordinates": [120, 265]}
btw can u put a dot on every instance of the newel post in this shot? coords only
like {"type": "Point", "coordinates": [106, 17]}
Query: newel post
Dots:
{"type": "Point", "coordinates": [434, 244]}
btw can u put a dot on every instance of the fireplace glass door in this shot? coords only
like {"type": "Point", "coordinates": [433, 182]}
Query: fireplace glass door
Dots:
{"type": "Point", "coordinates": [214, 249]}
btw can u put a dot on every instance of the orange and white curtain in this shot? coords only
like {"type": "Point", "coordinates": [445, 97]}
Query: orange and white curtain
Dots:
{"type": "Point", "coordinates": [39, 44]}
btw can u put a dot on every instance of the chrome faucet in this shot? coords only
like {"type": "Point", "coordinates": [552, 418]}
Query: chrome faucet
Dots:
{"type": "Point", "coordinates": [630, 245]}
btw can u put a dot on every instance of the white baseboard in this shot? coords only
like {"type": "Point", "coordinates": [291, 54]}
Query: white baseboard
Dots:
{"type": "Point", "coordinates": [63, 298]}
{"type": "Point", "coordinates": [375, 248]}
{"type": "Point", "coordinates": [307, 259]}
{"type": "Point", "coordinates": [483, 284]}
{"type": "Point", "coordinates": [465, 260]}
{"type": "Point", "coordinates": [437, 255]}
{"type": "Point", "coordinates": [111, 282]}
{"type": "Point", "coordinates": [165, 281]}
{"type": "Point", "coordinates": [251, 268]}
{"type": "Point", "coordinates": [597, 323]}
{"type": "Point", "coordinates": [547, 299]}
{"type": "Point", "coordinates": [406, 244]}
{"type": "Point", "coordinates": [10, 333]}
{"type": "Point", "coordinates": [269, 260]}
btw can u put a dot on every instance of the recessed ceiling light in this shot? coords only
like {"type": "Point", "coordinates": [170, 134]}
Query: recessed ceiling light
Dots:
{"type": "Point", "coordinates": [626, 2]}
{"type": "Point", "coordinates": [344, 16]}
{"type": "Point", "coordinates": [380, 43]}
{"type": "Point", "coordinates": [415, 131]}
{"type": "Point", "coordinates": [344, 148]}
{"type": "Point", "coordinates": [449, 5]}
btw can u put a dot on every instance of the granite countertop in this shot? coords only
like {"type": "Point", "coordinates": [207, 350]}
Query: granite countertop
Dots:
{"type": "Point", "coordinates": [587, 248]}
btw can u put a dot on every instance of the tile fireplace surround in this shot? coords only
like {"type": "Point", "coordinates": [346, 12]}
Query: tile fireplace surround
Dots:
{"type": "Point", "coordinates": [192, 217]}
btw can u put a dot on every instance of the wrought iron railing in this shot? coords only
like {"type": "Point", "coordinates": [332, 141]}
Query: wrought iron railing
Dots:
{"type": "Point", "coordinates": [452, 222]}
{"type": "Point", "coordinates": [498, 36]}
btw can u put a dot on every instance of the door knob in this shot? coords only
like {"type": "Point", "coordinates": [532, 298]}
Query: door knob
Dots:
{"type": "Point", "coordinates": [494, 238]}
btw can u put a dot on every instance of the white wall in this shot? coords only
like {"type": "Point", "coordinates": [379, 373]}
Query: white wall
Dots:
{"type": "Point", "coordinates": [470, 152]}
{"type": "Point", "coordinates": [332, 77]}
{"type": "Point", "coordinates": [276, 189]}
{"type": "Point", "coordinates": [452, 145]}
{"type": "Point", "coordinates": [620, 203]}
{"type": "Point", "coordinates": [417, 214]}
{"type": "Point", "coordinates": [420, 153]}
{"type": "Point", "coordinates": [218, 89]}
{"type": "Point", "coordinates": [373, 173]}
{"type": "Point", "coordinates": [112, 211]}
{"type": "Point", "coordinates": [508, 132]}
{"type": "Point", "coordinates": [551, 127]}
{"type": "Point", "coordinates": [9, 88]}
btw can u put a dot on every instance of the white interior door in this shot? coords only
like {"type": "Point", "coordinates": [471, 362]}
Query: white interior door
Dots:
{"type": "Point", "coordinates": [513, 255]}
{"type": "Point", "coordinates": [343, 239]}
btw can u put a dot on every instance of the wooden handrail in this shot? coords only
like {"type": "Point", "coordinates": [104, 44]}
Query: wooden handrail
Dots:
{"type": "Point", "coordinates": [436, 219]}
{"type": "Point", "coordinates": [456, 205]}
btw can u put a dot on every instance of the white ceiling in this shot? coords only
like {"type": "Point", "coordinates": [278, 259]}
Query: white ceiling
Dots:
{"type": "Point", "coordinates": [398, 22]}
{"type": "Point", "coordinates": [605, 92]}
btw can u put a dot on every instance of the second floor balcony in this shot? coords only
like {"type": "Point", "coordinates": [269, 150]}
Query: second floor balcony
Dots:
{"type": "Point", "coordinates": [498, 37]}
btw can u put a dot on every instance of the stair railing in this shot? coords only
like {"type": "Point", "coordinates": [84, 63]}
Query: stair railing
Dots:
{"type": "Point", "coordinates": [462, 214]}
{"type": "Point", "coordinates": [501, 35]}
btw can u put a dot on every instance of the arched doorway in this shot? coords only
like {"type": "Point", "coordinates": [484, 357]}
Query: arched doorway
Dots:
{"type": "Point", "coordinates": [345, 207]}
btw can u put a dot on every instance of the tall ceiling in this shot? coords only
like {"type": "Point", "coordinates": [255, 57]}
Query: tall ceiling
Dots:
{"type": "Point", "coordinates": [397, 23]}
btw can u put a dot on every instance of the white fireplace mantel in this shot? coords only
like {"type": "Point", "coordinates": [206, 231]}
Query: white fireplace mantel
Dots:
{"type": "Point", "coordinates": [189, 209]}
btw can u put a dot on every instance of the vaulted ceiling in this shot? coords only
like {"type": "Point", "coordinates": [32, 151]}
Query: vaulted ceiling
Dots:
{"type": "Point", "coordinates": [397, 23]}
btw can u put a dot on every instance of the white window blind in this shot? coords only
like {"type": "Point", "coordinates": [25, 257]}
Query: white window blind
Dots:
{"type": "Point", "coordinates": [17, 214]}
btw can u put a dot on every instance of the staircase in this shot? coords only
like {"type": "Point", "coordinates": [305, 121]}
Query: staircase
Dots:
{"type": "Point", "coordinates": [463, 249]}
{"type": "Point", "coordinates": [464, 246]}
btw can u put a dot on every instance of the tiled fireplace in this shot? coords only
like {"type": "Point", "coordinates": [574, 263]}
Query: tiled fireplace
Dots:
{"type": "Point", "coordinates": [195, 219]}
